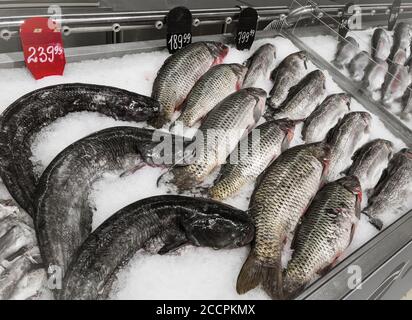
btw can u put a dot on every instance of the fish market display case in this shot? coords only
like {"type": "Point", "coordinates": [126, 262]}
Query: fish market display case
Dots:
{"type": "Point", "coordinates": [93, 30]}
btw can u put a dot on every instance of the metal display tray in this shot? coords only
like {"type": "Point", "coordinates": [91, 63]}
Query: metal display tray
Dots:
{"type": "Point", "coordinates": [385, 260]}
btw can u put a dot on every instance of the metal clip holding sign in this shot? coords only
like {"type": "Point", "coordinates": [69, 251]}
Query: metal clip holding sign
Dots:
{"type": "Point", "coordinates": [179, 28]}
{"type": "Point", "coordinates": [343, 28]}
{"type": "Point", "coordinates": [246, 30]}
{"type": "Point", "coordinates": [393, 15]}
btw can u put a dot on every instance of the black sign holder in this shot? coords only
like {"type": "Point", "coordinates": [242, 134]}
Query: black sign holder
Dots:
{"type": "Point", "coordinates": [393, 16]}
{"type": "Point", "coordinates": [344, 21]}
{"type": "Point", "coordinates": [246, 30]}
{"type": "Point", "coordinates": [179, 28]}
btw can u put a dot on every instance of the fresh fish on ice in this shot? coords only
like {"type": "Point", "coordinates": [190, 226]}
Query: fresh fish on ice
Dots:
{"type": "Point", "coordinates": [17, 239]}
{"type": "Point", "coordinates": [399, 57]}
{"type": "Point", "coordinates": [393, 189]}
{"type": "Point", "coordinates": [348, 48]}
{"type": "Point", "coordinates": [396, 81]}
{"type": "Point", "coordinates": [358, 65]}
{"type": "Point", "coordinates": [215, 85]}
{"type": "Point", "coordinates": [375, 74]}
{"type": "Point", "coordinates": [325, 117]}
{"type": "Point", "coordinates": [180, 72]}
{"type": "Point", "coordinates": [325, 232]}
{"type": "Point", "coordinates": [31, 286]}
{"type": "Point", "coordinates": [219, 134]}
{"type": "Point", "coordinates": [286, 75]}
{"type": "Point", "coordinates": [253, 156]}
{"type": "Point", "coordinates": [63, 218]}
{"type": "Point", "coordinates": [259, 63]}
{"type": "Point", "coordinates": [407, 103]}
{"type": "Point", "coordinates": [381, 44]}
{"type": "Point", "coordinates": [176, 220]}
{"type": "Point", "coordinates": [15, 271]}
{"type": "Point", "coordinates": [302, 99]}
{"type": "Point", "coordinates": [281, 196]}
{"type": "Point", "coordinates": [369, 162]}
{"type": "Point", "coordinates": [35, 110]}
{"type": "Point", "coordinates": [401, 38]}
{"type": "Point", "coordinates": [344, 139]}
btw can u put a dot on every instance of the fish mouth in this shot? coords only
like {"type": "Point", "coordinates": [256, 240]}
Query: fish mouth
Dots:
{"type": "Point", "coordinates": [366, 117]}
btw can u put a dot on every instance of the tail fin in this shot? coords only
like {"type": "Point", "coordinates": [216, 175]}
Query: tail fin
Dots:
{"type": "Point", "coordinates": [377, 223]}
{"type": "Point", "coordinates": [255, 272]}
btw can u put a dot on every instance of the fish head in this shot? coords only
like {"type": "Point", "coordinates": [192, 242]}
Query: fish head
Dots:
{"type": "Point", "coordinates": [345, 98]}
{"type": "Point", "coordinates": [260, 96]}
{"type": "Point", "coordinates": [288, 126]}
{"type": "Point", "coordinates": [367, 119]}
{"type": "Point", "coordinates": [322, 152]}
{"type": "Point", "coordinates": [227, 229]}
{"type": "Point", "coordinates": [407, 153]}
{"type": "Point", "coordinates": [218, 50]}
{"type": "Point", "coordinates": [352, 184]}
{"type": "Point", "coordinates": [239, 70]}
{"type": "Point", "coordinates": [352, 41]}
{"type": "Point", "coordinates": [271, 49]}
{"type": "Point", "coordinates": [302, 55]}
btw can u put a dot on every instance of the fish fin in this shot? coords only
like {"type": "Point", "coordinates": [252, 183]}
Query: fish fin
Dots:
{"type": "Point", "coordinates": [173, 242]}
{"type": "Point", "coordinates": [251, 274]}
{"type": "Point", "coordinates": [132, 170]}
{"type": "Point", "coordinates": [254, 272]}
{"type": "Point", "coordinates": [376, 222]}
{"type": "Point", "coordinates": [269, 112]}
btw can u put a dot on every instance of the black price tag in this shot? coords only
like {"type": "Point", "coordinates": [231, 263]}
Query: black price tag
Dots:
{"type": "Point", "coordinates": [344, 21]}
{"type": "Point", "coordinates": [179, 29]}
{"type": "Point", "coordinates": [246, 30]}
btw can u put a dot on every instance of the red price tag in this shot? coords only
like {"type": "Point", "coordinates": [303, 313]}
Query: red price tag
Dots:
{"type": "Point", "coordinates": [42, 43]}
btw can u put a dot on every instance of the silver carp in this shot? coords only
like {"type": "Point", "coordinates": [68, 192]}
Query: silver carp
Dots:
{"type": "Point", "coordinates": [393, 188]}
{"type": "Point", "coordinates": [180, 72]}
{"type": "Point", "coordinates": [215, 85]}
{"type": "Point", "coordinates": [343, 140]}
{"type": "Point", "coordinates": [407, 103]}
{"type": "Point", "coordinates": [348, 48]}
{"type": "Point", "coordinates": [250, 159]}
{"type": "Point", "coordinates": [369, 162]}
{"type": "Point", "coordinates": [325, 117]}
{"type": "Point", "coordinates": [375, 75]}
{"type": "Point", "coordinates": [303, 98]}
{"type": "Point", "coordinates": [401, 38]}
{"type": "Point", "coordinates": [281, 196]}
{"type": "Point", "coordinates": [358, 65]}
{"type": "Point", "coordinates": [400, 57]}
{"type": "Point", "coordinates": [259, 63]}
{"type": "Point", "coordinates": [219, 134]}
{"type": "Point", "coordinates": [395, 84]}
{"type": "Point", "coordinates": [286, 75]}
{"type": "Point", "coordinates": [381, 44]}
{"type": "Point", "coordinates": [325, 232]}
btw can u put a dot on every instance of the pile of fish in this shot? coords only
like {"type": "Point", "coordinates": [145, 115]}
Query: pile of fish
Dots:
{"type": "Point", "coordinates": [22, 275]}
{"type": "Point", "coordinates": [312, 191]}
{"type": "Point", "coordinates": [388, 68]}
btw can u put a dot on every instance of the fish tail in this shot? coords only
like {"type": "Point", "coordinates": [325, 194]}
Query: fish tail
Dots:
{"type": "Point", "coordinates": [272, 282]}
{"type": "Point", "coordinates": [255, 272]}
{"type": "Point", "coordinates": [251, 274]}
